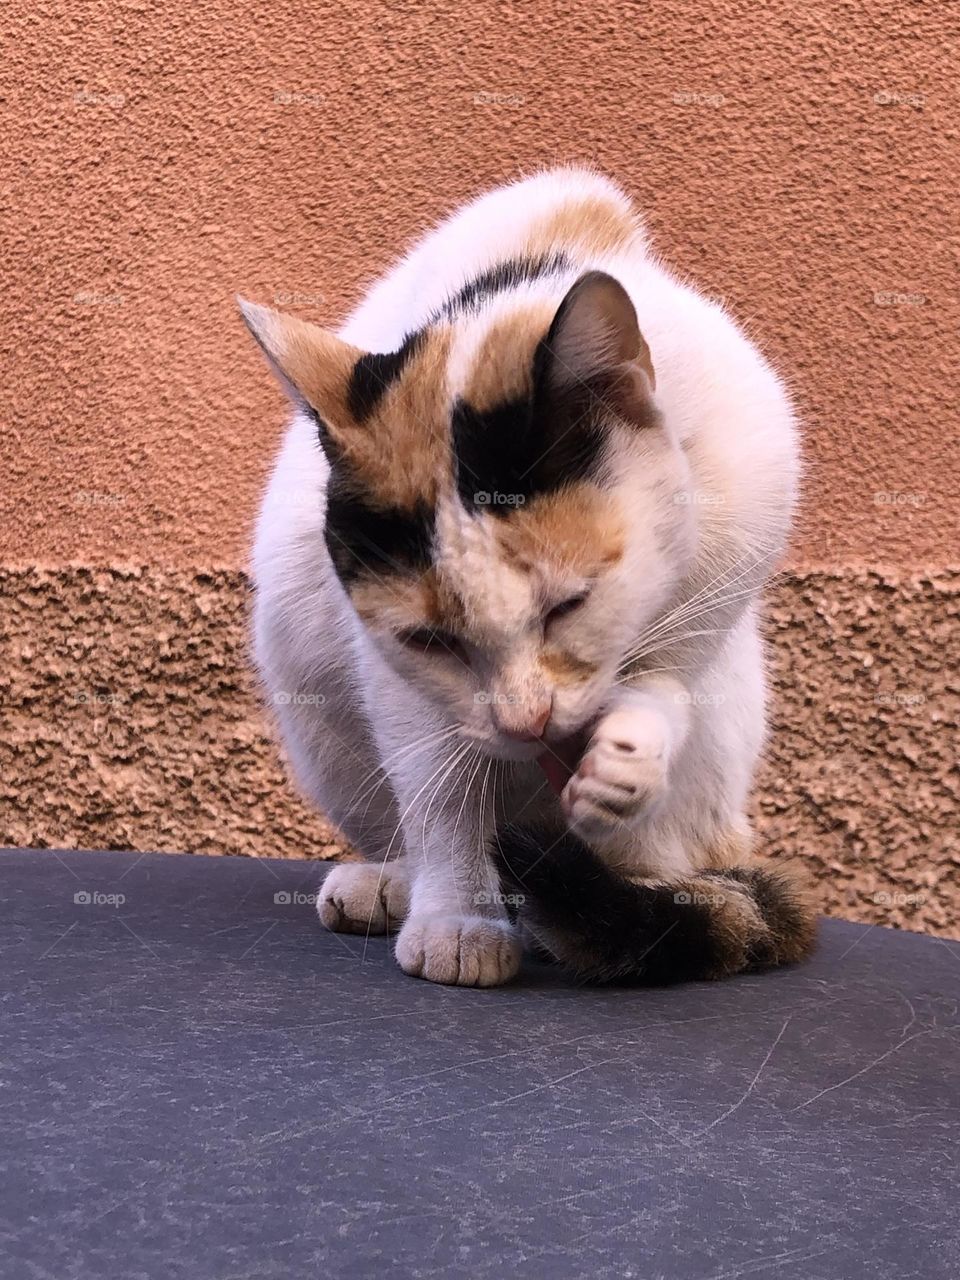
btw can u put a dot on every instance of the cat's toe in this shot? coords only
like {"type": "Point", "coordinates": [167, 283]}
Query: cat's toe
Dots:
{"type": "Point", "coordinates": [465, 952]}
{"type": "Point", "coordinates": [359, 897]}
{"type": "Point", "coordinates": [620, 778]}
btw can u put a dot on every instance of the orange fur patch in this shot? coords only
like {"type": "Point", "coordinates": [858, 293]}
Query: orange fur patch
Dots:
{"type": "Point", "coordinates": [565, 668]}
{"type": "Point", "coordinates": [400, 600]}
{"type": "Point", "coordinates": [577, 528]}
{"type": "Point", "coordinates": [730, 849]}
{"type": "Point", "coordinates": [444, 608]}
{"type": "Point", "coordinates": [407, 600]}
{"type": "Point", "coordinates": [402, 451]}
{"type": "Point", "coordinates": [503, 364]}
{"type": "Point", "coordinates": [591, 223]}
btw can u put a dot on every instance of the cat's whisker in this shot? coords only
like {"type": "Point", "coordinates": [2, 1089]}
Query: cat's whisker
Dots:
{"type": "Point", "coordinates": [394, 758]}
{"type": "Point", "coordinates": [405, 757]}
{"type": "Point", "coordinates": [680, 631]}
{"type": "Point", "coordinates": [439, 787]}
{"type": "Point", "coordinates": [716, 587]}
{"type": "Point", "coordinates": [465, 780]}
{"type": "Point", "coordinates": [457, 757]}
{"type": "Point", "coordinates": [673, 641]}
{"type": "Point", "coordinates": [481, 843]}
{"type": "Point", "coordinates": [429, 782]}
{"type": "Point", "coordinates": [664, 627]}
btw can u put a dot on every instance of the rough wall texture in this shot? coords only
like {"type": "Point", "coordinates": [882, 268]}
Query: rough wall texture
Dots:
{"type": "Point", "coordinates": [799, 159]}
{"type": "Point", "coordinates": [132, 722]}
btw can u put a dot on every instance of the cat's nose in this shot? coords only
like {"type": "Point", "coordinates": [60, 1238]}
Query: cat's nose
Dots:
{"type": "Point", "coordinates": [521, 724]}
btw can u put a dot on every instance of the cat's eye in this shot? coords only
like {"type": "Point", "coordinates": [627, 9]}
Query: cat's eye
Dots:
{"type": "Point", "coordinates": [427, 640]}
{"type": "Point", "coordinates": [564, 607]}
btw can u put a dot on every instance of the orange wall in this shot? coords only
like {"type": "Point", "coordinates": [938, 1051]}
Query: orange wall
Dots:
{"type": "Point", "coordinates": [800, 160]}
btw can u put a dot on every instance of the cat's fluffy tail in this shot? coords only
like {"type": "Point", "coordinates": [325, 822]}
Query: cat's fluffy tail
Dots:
{"type": "Point", "coordinates": [605, 928]}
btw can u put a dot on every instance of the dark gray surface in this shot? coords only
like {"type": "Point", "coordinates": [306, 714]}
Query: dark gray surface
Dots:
{"type": "Point", "coordinates": [200, 1082]}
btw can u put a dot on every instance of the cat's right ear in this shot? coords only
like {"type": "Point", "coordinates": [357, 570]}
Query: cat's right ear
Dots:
{"type": "Point", "coordinates": [312, 364]}
{"type": "Point", "coordinates": [595, 352]}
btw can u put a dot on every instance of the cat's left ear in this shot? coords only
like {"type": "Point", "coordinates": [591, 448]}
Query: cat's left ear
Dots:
{"type": "Point", "coordinates": [595, 350]}
{"type": "Point", "coordinates": [312, 364]}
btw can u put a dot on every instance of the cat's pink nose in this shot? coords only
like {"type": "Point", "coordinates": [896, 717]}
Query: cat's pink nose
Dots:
{"type": "Point", "coordinates": [523, 726]}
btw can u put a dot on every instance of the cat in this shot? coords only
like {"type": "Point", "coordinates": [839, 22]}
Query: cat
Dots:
{"type": "Point", "coordinates": [507, 575]}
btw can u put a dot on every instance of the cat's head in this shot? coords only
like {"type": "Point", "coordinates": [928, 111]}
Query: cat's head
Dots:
{"type": "Point", "coordinates": [502, 507]}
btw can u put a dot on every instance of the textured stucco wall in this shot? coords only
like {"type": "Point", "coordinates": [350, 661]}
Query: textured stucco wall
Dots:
{"type": "Point", "coordinates": [128, 719]}
{"type": "Point", "coordinates": [799, 160]}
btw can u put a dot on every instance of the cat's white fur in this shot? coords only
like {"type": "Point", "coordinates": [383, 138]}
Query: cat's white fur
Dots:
{"type": "Point", "coordinates": [679, 737]}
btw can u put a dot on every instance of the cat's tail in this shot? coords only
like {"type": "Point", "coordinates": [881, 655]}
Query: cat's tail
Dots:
{"type": "Point", "coordinates": [606, 928]}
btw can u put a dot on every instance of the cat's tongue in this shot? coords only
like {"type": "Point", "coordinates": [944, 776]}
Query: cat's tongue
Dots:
{"type": "Point", "coordinates": [560, 762]}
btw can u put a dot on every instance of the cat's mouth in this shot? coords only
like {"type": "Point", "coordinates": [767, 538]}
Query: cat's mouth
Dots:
{"type": "Point", "coordinates": [560, 760]}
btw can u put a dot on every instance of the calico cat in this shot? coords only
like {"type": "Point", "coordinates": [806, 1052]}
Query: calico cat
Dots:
{"type": "Point", "coordinates": [507, 577]}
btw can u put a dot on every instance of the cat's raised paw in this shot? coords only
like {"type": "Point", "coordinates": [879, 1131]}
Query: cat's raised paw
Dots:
{"type": "Point", "coordinates": [623, 773]}
{"type": "Point", "coordinates": [465, 952]}
{"type": "Point", "coordinates": [364, 897]}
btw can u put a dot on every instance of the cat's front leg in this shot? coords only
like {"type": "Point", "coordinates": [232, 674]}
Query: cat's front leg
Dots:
{"type": "Point", "coordinates": [624, 772]}
{"type": "Point", "coordinates": [456, 929]}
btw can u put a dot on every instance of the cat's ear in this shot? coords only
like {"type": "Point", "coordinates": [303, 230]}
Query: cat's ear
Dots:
{"type": "Point", "coordinates": [595, 350]}
{"type": "Point", "coordinates": [312, 364]}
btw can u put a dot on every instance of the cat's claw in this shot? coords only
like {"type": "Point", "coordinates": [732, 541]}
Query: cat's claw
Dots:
{"type": "Point", "coordinates": [364, 897]}
{"type": "Point", "coordinates": [622, 775]}
{"type": "Point", "coordinates": [463, 951]}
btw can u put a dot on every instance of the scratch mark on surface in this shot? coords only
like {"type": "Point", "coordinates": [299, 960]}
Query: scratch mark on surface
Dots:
{"type": "Point", "coordinates": [58, 941]}
{"type": "Point", "coordinates": [863, 1070]}
{"type": "Point", "coordinates": [753, 1083]}
{"type": "Point", "coordinates": [259, 940]}
{"type": "Point", "coordinates": [778, 1259]}
{"type": "Point", "coordinates": [856, 942]}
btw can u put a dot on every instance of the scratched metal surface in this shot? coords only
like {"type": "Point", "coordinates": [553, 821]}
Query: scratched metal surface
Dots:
{"type": "Point", "coordinates": [201, 1083]}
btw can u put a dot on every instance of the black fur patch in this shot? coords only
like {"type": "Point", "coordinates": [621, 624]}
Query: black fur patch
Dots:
{"type": "Point", "coordinates": [366, 539]}
{"type": "Point", "coordinates": [492, 453]}
{"type": "Point", "coordinates": [509, 454]}
{"type": "Point", "coordinates": [525, 447]}
{"type": "Point", "coordinates": [608, 929]}
{"type": "Point", "coordinates": [613, 931]}
{"type": "Point", "coordinates": [374, 373]}
{"type": "Point", "coordinates": [501, 278]}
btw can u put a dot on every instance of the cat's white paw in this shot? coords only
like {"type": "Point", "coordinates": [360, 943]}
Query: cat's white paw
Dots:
{"type": "Point", "coordinates": [464, 951]}
{"type": "Point", "coordinates": [622, 775]}
{"type": "Point", "coordinates": [363, 897]}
